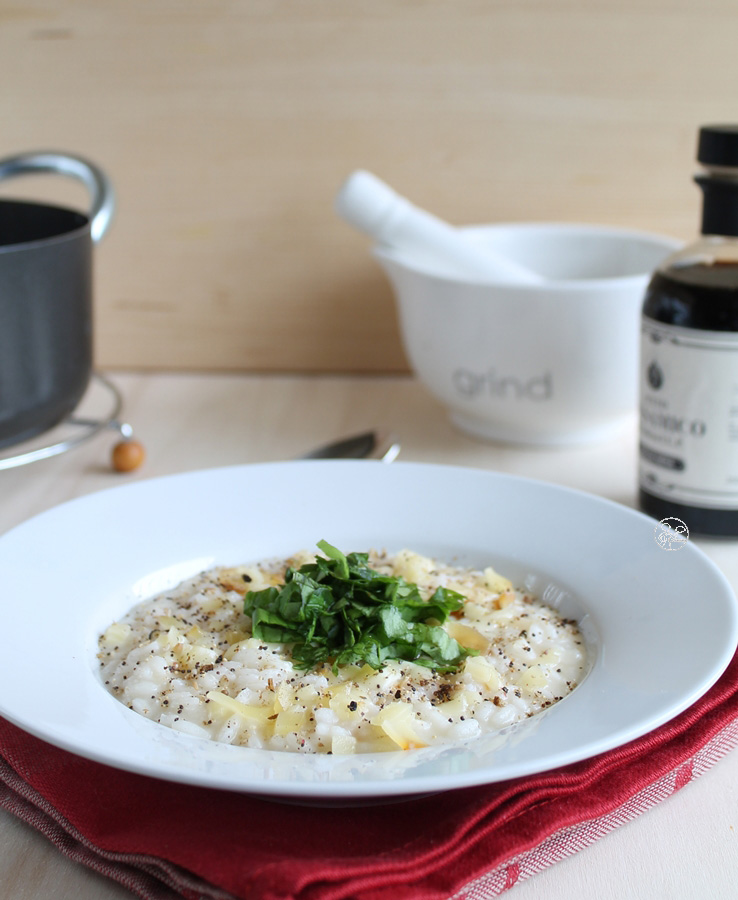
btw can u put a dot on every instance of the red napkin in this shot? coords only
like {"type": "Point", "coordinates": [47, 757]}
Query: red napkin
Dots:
{"type": "Point", "coordinates": [165, 840]}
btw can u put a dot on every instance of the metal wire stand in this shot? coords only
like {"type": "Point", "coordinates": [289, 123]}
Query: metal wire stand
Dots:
{"type": "Point", "coordinates": [82, 429]}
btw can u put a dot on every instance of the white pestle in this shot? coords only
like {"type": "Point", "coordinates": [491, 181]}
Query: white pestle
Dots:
{"type": "Point", "coordinates": [373, 207]}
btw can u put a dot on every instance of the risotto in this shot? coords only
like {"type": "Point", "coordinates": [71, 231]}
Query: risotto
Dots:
{"type": "Point", "coordinates": [190, 659]}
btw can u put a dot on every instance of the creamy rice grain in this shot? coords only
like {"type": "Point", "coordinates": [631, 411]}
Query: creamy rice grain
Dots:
{"type": "Point", "coordinates": [187, 659]}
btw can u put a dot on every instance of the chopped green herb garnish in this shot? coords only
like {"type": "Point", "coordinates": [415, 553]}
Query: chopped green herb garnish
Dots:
{"type": "Point", "coordinates": [338, 610]}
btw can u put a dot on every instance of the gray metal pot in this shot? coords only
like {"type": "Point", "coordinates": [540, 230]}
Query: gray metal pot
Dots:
{"type": "Point", "coordinates": [46, 297]}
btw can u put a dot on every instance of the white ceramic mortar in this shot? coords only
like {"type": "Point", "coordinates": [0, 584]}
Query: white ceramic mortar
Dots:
{"type": "Point", "coordinates": [549, 363]}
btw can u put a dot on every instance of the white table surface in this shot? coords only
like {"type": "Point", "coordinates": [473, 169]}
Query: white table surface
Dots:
{"type": "Point", "coordinates": [684, 849]}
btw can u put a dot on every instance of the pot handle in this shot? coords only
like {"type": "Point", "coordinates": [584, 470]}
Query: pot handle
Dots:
{"type": "Point", "coordinates": [95, 180]}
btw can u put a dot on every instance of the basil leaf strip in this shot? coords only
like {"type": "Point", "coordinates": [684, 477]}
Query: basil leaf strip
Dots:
{"type": "Point", "coordinates": [339, 610]}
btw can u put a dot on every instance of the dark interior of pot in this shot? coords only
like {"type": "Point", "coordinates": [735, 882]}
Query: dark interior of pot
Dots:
{"type": "Point", "coordinates": [21, 222]}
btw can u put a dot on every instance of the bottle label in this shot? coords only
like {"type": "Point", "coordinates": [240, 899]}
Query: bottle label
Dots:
{"type": "Point", "coordinates": [689, 415]}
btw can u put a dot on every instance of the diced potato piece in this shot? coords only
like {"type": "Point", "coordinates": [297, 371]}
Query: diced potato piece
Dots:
{"type": "Point", "coordinates": [412, 566]}
{"type": "Point", "coordinates": [501, 613]}
{"type": "Point", "coordinates": [458, 706]}
{"type": "Point", "coordinates": [398, 722]}
{"type": "Point", "coordinates": [534, 678]}
{"type": "Point", "coordinates": [168, 622]}
{"type": "Point", "coordinates": [235, 635]}
{"type": "Point", "coordinates": [285, 696]}
{"type": "Point", "coordinates": [452, 709]}
{"type": "Point", "coordinates": [204, 656]}
{"type": "Point", "coordinates": [505, 599]}
{"type": "Point", "coordinates": [307, 696]}
{"type": "Point", "coordinates": [483, 672]}
{"type": "Point", "coordinates": [366, 671]}
{"type": "Point", "coordinates": [379, 742]}
{"type": "Point", "coordinates": [352, 672]}
{"type": "Point", "coordinates": [475, 611]}
{"type": "Point", "coordinates": [255, 714]}
{"type": "Point", "coordinates": [339, 695]}
{"type": "Point", "coordinates": [194, 633]}
{"type": "Point", "coordinates": [496, 582]}
{"type": "Point", "coordinates": [290, 721]}
{"type": "Point", "coordinates": [467, 636]}
{"type": "Point", "coordinates": [346, 701]}
{"type": "Point", "coordinates": [172, 638]}
{"type": "Point", "coordinates": [383, 680]}
{"type": "Point", "coordinates": [233, 579]}
{"type": "Point", "coordinates": [343, 744]}
{"type": "Point", "coordinates": [248, 578]}
{"type": "Point", "coordinates": [116, 633]}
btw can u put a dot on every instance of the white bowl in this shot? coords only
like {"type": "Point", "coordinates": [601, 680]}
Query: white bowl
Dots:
{"type": "Point", "coordinates": [554, 363]}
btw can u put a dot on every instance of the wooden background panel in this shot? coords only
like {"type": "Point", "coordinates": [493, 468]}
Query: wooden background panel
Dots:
{"type": "Point", "coordinates": [229, 125]}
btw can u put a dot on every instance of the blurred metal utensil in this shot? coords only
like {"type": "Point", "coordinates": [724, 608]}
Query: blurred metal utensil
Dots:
{"type": "Point", "coordinates": [367, 445]}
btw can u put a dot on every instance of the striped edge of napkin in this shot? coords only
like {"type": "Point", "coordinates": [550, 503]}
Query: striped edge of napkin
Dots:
{"type": "Point", "coordinates": [572, 839]}
{"type": "Point", "coordinates": [145, 876]}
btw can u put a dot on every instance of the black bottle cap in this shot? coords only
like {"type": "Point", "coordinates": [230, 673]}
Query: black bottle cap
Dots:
{"type": "Point", "coordinates": [718, 145]}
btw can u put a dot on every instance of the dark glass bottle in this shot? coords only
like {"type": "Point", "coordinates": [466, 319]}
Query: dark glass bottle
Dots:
{"type": "Point", "coordinates": [689, 361]}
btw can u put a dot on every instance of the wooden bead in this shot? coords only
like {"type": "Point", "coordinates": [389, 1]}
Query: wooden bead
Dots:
{"type": "Point", "coordinates": [128, 455]}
